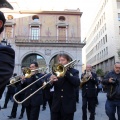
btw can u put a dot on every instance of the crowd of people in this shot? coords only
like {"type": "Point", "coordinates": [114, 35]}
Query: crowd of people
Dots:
{"type": "Point", "coordinates": [62, 93]}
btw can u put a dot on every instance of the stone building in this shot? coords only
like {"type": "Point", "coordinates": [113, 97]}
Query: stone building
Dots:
{"type": "Point", "coordinates": [41, 35]}
{"type": "Point", "coordinates": [103, 38]}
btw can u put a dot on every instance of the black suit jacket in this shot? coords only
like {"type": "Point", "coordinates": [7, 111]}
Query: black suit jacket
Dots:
{"type": "Point", "coordinates": [36, 99]}
{"type": "Point", "coordinates": [64, 92]}
{"type": "Point", "coordinates": [89, 89]}
{"type": "Point", "coordinates": [7, 58]}
{"type": "Point", "coordinates": [47, 88]}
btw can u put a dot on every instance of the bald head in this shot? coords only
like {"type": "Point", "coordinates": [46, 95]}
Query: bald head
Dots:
{"type": "Point", "coordinates": [88, 67]}
{"type": "Point", "coordinates": [117, 67]}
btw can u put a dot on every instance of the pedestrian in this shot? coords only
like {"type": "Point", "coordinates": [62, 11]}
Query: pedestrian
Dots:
{"type": "Point", "coordinates": [112, 83]}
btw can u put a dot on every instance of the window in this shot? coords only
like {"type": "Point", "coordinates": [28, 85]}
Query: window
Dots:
{"type": "Point", "coordinates": [119, 16]}
{"type": "Point", "coordinates": [105, 26]}
{"type": "Point", "coordinates": [61, 33]}
{"type": "Point", "coordinates": [106, 37]}
{"type": "Point", "coordinates": [106, 50]}
{"type": "Point", "coordinates": [9, 17]}
{"type": "Point", "coordinates": [104, 16]}
{"type": "Point", "coordinates": [102, 53]}
{"type": "Point", "coordinates": [106, 63]}
{"type": "Point", "coordinates": [35, 30]}
{"type": "Point", "coordinates": [8, 31]}
{"type": "Point", "coordinates": [35, 18]}
{"type": "Point", "coordinates": [119, 29]}
{"type": "Point", "coordinates": [62, 18]}
{"type": "Point", "coordinates": [103, 40]}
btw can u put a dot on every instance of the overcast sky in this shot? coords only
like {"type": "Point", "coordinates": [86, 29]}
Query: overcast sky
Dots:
{"type": "Point", "coordinates": [88, 7]}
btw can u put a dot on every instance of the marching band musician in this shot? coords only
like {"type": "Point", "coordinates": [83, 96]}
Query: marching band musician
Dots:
{"type": "Point", "coordinates": [64, 99]}
{"type": "Point", "coordinates": [33, 104]}
{"type": "Point", "coordinates": [9, 94]}
{"type": "Point", "coordinates": [18, 87]}
{"type": "Point", "coordinates": [89, 93]}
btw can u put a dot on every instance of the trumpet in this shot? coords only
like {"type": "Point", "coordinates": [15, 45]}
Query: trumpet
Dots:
{"type": "Point", "coordinates": [58, 69]}
{"type": "Point", "coordinates": [85, 78]}
{"type": "Point", "coordinates": [28, 73]}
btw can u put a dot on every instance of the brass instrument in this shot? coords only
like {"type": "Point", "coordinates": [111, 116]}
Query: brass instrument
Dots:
{"type": "Point", "coordinates": [14, 80]}
{"type": "Point", "coordinates": [57, 69]}
{"type": "Point", "coordinates": [27, 73]}
{"type": "Point", "coordinates": [85, 78]}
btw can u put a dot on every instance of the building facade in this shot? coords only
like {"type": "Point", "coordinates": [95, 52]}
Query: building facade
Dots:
{"type": "Point", "coordinates": [41, 35]}
{"type": "Point", "coordinates": [103, 38]}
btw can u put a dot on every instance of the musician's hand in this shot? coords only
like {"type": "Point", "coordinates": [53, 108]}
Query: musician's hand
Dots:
{"type": "Point", "coordinates": [22, 78]}
{"type": "Point", "coordinates": [90, 75]}
{"type": "Point", "coordinates": [53, 78]}
{"type": "Point", "coordinates": [110, 80]}
{"type": "Point", "coordinates": [33, 73]}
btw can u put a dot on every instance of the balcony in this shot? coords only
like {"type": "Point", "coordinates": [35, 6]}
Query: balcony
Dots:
{"type": "Point", "coordinates": [48, 41]}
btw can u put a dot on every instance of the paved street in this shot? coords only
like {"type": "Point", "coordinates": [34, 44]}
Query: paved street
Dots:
{"type": "Point", "coordinates": [45, 115]}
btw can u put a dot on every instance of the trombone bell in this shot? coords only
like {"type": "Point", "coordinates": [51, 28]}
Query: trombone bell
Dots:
{"type": "Point", "coordinates": [58, 70]}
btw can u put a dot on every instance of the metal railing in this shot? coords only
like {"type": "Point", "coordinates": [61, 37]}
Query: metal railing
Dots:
{"type": "Point", "coordinates": [46, 39]}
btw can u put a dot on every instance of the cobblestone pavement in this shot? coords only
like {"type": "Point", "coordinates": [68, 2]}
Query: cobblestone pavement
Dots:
{"type": "Point", "coordinates": [45, 115]}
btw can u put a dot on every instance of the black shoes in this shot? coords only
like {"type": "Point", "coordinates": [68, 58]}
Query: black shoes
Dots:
{"type": "Point", "coordinates": [43, 108]}
{"type": "Point", "coordinates": [20, 117]}
{"type": "Point", "coordinates": [11, 117]}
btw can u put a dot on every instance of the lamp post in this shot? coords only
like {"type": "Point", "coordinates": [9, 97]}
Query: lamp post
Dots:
{"type": "Point", "coordinates": [4, 43]}
{"type": "Point", "coordinates": [9, 45]}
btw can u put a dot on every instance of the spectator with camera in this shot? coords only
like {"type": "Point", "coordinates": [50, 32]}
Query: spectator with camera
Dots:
{"type": "Point", "coordinates": [112, 82]}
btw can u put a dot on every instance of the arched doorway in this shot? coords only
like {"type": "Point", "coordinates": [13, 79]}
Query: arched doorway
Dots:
{"type": "Point", "coordinates": [34, 57]}
{"type": "Point", "coordinates": [54, 61]}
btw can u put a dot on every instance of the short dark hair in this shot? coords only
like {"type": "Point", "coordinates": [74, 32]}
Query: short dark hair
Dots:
{"type": "Point", "coordinates": [35, 63]}
{"type": "Point", "coordinates": [15, 74]}
{"type": "Point", "coordinates": [2, 18]}
{"type": "Point", "coordinates": [67, 57]}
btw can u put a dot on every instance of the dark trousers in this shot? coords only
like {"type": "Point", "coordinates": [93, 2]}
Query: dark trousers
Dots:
{"type": "Point", "coordinates": [111, 106]}
{"type": "Point", "coordinates": [50, 100]}
{"type": "Point", "coordinates": [15, 106]}
{"type": "Point", "coordinates": [44, 100]}
{"type": "Point", "coordinates": [33, 112]}
{"type": "Point", "coordinates": [7, 98]}
{"type": "Point", "coordinates": [61, 115]}
{"type": "Point", "coordinates": [14, 109]}
{"type": "Point", "coordinates": [88, 103]}
{"type": "Point", "coordinates": [77, 95]}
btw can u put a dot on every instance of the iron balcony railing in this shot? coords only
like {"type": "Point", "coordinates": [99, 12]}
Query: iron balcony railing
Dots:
{"type": "Point", "coordinates": [46, 39]}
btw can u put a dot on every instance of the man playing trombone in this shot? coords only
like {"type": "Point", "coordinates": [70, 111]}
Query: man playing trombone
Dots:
{"type": "Point", "coordinates": [33, 103]}
{"type": "Point", "coordinates": [64, 99]}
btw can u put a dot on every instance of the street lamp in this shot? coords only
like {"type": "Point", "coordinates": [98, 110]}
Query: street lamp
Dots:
{"type": "Point", "coordinates": [9, 45]}
{"type": "Point", "coordinates": [4, 42]}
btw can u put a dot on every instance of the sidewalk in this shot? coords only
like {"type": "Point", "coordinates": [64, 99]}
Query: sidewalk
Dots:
{"type": "Point", "coordinates": [45, 115]}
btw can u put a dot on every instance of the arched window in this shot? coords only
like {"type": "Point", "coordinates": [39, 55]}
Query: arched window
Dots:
{"type": "Point", "coordinates": [35, 18]}
{"type": "Point", "coordinates": [62, 18]}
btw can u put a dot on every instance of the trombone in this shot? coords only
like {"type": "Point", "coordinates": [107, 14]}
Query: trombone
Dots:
{"type": "Point", "coordinates": [58, 69]}
{"type": "Point", "coordinates": [28, 74]}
